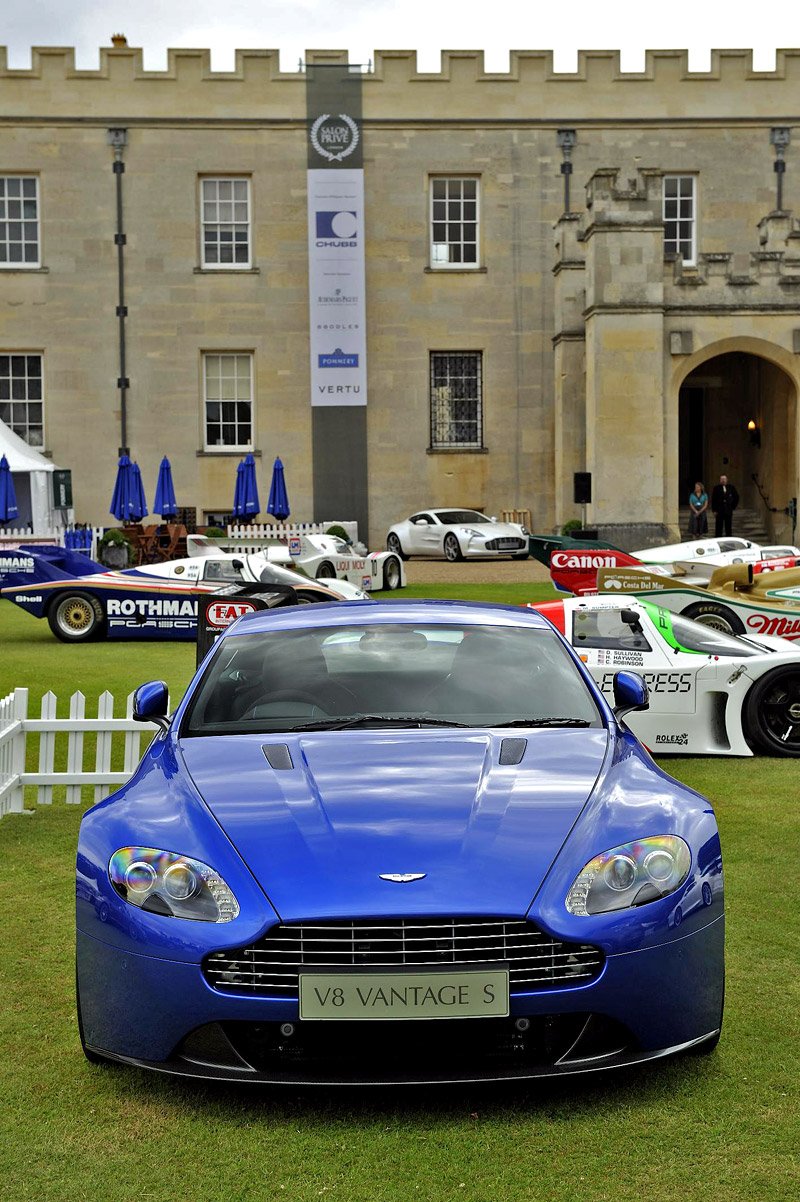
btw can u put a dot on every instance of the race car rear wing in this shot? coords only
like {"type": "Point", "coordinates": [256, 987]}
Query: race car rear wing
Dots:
{"type": "Point", "coordinates": [38, 564]}
{"type": "Point", "coordinates": [576, 571]}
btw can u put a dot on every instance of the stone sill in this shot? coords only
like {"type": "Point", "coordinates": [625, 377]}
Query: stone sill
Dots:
{"type": "Point", "coordinates": [223, 453]}
{"type": "Point", "coordinates": [457, 451]}
{"type": "Point", "coordinates": [226, 270]}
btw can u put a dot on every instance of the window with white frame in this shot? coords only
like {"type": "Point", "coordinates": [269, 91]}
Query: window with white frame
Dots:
{"type": "Point", "coordinates": [22, 397]}
{"type": "Point", "coordinates": [19, 221]}
{"type": "Point", "coordinates": [225, 220]}
{"type": "Point", "coordinates": [454, 222]}
{"type": "Point", "coordinates": [456, 393]}
{"type": "Point", "coordinates": [228, 387]}
{"type": "Point", "coordinates": [680, 216]}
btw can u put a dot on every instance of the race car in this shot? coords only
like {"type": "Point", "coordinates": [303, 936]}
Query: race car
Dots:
{"type": "Point", "coordinates": [326, 557]}
{"type": "Point", "coordinates": [83, 601]}
{"type": "Point", "coordinates": [698, 558]}
{"type": "Point", "coordinates": [457, 534]}
{"type": "Point", "coordinates": [711, 693]}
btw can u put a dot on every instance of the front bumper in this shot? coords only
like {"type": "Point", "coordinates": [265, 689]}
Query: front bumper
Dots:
{"type": "Point", "coordinates": [162, 1015]}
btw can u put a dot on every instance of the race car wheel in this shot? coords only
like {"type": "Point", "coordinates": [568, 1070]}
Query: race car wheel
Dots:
{"type": "Point", "coordinates": [712, 613]}
{"type": "Point", "coordinates": [75, 617]}
{"type": "Point", "coordinates": [772, 712]}
{"type": "Point", "coordinates": [326, 571]}
{"type": "Point", "coordinates": [313, 599]}
{"type": "Point", "coordinates": [391, 573]}
{"type": "Point", "coordinates": [452, 549]}
{"type": "Point", "coordinates": [393, 545]}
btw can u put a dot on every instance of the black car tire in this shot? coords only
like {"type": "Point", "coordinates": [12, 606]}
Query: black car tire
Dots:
{"type": "Point", "coordinates": [772, 712]}
{"type": "Point", "coordinates": [716, 615]}
{"type": "Point", "coordinates": [326, 571]}
{"type": "Point", "coordinates": [393, 545]}
{"type": "Point", "coordinates": [521, 555]}
{"type": "Point", "coordinates": [75, 617]}
{"type": "Point", "coordinates": [392, 574]}
{"type": "Point", "coordinates": [304, 598]}
{"type": "Point", "coordinates": [452, 549]}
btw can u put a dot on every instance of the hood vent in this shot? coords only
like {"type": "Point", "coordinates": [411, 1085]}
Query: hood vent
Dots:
{"type": "Point", "coordinates": [279, 756]}
{"type": "Point", "coordinates": [512, 751]}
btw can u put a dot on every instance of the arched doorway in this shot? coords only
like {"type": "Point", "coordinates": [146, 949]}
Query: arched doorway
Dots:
{"type": "Point", "coordinates": [738, 416]}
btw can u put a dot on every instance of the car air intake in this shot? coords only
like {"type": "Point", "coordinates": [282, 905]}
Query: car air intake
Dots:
{"type": "Point", "coordinates": [272, 965]}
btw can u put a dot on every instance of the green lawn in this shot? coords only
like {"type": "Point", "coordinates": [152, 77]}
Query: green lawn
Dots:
{"type": "Point", "coordinates": [723, 1127]}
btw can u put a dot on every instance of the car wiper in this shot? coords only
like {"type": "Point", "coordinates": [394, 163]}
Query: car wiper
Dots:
{"type": "Point", "coordinates": [371, 720]}
{"type": "Point", "coordinates": [542, 722]}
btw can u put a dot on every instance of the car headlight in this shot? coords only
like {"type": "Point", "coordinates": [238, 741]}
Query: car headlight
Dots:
{"type": "Point", "coordinates": [163, 882]}
{"type": "Point", "coordinates": [630, 875]}
{"type": "Point", "coordinates": [473, 533]}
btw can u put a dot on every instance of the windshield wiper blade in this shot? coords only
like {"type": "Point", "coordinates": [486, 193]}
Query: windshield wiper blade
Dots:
{"type": "Point", "coordinates": [371, 720]}
{"type": "Point", "coordinates": [543, 722]}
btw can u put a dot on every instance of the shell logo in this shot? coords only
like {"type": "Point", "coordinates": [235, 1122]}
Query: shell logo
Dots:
{"type": "Point", "coordinates": [221, 613]}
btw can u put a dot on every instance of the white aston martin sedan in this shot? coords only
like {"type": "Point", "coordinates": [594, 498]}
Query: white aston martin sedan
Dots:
{"type": "Point", "coordinates": [457, 534]}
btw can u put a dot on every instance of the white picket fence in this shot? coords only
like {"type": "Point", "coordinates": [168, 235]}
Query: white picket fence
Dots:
{"type": "Point", "coordinates": [258, 532]}
{"type": "Point", "coordinates": [52, 537]}
{"type": "Point", "coordinates": [16, 725]}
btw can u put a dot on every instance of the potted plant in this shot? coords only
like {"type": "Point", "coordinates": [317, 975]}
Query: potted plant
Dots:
{"type": "Point", "coordinates": [115, 550]}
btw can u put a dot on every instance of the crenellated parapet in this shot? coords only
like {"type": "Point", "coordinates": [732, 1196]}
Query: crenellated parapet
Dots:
{"type": "Point", "coordinates": [666, 91]}
{"type": "Point", "coordinates": [768, 276]}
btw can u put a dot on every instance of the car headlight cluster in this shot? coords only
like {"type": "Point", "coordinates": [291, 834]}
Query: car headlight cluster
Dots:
{"type": "Point", "coordinates": [630, 875]}
{"type": "Point", "coordinates": [163, 882]}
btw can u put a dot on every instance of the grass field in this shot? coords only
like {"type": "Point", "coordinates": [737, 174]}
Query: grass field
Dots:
{"type": "Point", "coordinates": [721, 1128]}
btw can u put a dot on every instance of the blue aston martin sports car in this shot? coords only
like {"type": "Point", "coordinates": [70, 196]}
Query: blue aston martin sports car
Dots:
{"type": "Point", "coordinates": [397, 843]}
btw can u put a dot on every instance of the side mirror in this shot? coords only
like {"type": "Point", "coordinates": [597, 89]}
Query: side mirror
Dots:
{"type": "Point", "coordinates": [150, 703]}
{"type": "Point", "coordinates": [238, 564]}
{"type": "Point", "coordinates": [493, 519]}
{"type": "Point", "coordinates": [630, 693]}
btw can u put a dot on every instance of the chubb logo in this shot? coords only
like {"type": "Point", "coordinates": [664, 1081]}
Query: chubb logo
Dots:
{"type": "Point", "coordinates": [222, 613]}
{"type": "Point", "coordinates": [338, 226]}
{"type": "Point", "coordinates": [589, 559]}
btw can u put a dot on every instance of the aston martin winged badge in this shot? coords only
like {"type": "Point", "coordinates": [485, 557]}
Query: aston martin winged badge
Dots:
{"type": "Point", "coordinates": [401, 878]}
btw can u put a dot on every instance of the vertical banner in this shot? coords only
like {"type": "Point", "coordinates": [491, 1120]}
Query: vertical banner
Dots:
{"type": "Point", "coordinates": [336, 287]}
{"type": "Point", "coordinates": [337, 299]}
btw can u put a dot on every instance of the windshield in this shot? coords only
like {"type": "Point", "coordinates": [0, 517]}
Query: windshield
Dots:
{"type": "Point", "coordinates": [390, 675]}
{"type": "Point", "coordinates": [461, 517]}
{"type": "Point", "coordinates": [687, 635]}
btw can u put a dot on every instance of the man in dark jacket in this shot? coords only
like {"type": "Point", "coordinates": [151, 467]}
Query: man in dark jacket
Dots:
{"type": "Point", "coordinates": [724, 499]}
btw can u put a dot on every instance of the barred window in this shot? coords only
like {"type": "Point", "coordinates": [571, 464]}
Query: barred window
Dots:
{"type": "Point", "coordinates": [19, 221]}
{"type": "Point", "coordinates": [225, 206]}
{"type": "Point", "coordinates": [21, 397]}
{"type": "Point", "coordinates": [680, 217]}
{"type": "Point", "coordinates": [456, 399]}
{"type": "Point", "coordinates": [228, 401]}
{"type": "Point", "coordinates": [454, 222]}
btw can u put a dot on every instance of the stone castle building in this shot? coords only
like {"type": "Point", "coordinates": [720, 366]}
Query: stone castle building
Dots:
{"type": "Point", "coordinates": [597, 271]}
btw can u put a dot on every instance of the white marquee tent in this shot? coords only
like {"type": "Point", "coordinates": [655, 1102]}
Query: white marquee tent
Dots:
{"type": "Point", "coordinates": [32, 474]}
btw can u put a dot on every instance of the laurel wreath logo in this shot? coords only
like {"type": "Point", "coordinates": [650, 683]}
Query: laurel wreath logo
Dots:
{"type": "Point", "coordinates": [334, 156]}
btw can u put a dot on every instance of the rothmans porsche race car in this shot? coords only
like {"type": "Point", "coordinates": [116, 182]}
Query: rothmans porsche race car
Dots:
{"type": "Point", "coordinates": [83, 601]}
{"type": "Point", "coordinates": [398, 842]}
{"type": "Point", "coordinates": [711, 693]}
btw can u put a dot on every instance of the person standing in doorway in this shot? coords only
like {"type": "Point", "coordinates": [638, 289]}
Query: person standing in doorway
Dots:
{"type": "Point", "coordinates": [724, 499]}
{"type": "Point", "coordinates": [698, 509]}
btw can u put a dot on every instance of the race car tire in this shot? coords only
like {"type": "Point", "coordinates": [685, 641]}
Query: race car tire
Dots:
{"type": "Point", "coordinates": [313, 599]}
{"type": "Point", "coordinates": [772, 712]}
{"type": "Point", "coordinates": [716, 615]}
{"type": "Point", "coordinates": [75, 617]}
{"type": "Point", "coordinates": [393, 545]}
{"type": "Point", "coordinates": [326, 571]}
{"type": "Point", "coordinates": [392, 575]}
{"type": "Point", "coordinates": [452, 549]}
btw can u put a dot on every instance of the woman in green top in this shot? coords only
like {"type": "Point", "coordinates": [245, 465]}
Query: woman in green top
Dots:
{"type": "Point", "coordinates": [698, 504]}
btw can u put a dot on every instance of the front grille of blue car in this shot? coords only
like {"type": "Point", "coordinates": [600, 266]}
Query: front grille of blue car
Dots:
{"type": "Point", "coordinates": [271, 966]}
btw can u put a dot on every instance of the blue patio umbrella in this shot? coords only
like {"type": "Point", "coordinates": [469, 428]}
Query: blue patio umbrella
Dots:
{"type": "Point", "coordinates": [8, 498]}
{"type": "Point", "coordinates": [122, 498]}
{"type": "Point", "coordinates": [278, 503]}
{"type": "Point", "coordinates": [164, 501]}
{"type": "Point", "coordinates": [140, 509]}
{"type": "Point", "coordinates": [245, 498]}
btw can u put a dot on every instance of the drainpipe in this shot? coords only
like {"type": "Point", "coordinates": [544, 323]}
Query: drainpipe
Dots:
{"type": "Point", "coordinates": [779, 137]}
{"type": "Point", "coordinates": [118, 138]}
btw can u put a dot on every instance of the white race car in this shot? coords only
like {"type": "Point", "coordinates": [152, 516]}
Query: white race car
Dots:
{"type": "Point", "coordinates": [699, 558]}
{"type": "Point", "coordinates": [210, 566]}
{"type": "Point", "coordinates": [326, 557]}
{"type": "Point", "coordinates": [711, 693]}
{"type": "Point", "coordinates": [457, 534]}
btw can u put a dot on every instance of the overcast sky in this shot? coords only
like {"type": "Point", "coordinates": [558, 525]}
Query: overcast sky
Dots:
{"type": "Point", "coordinates": [428, 26]}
